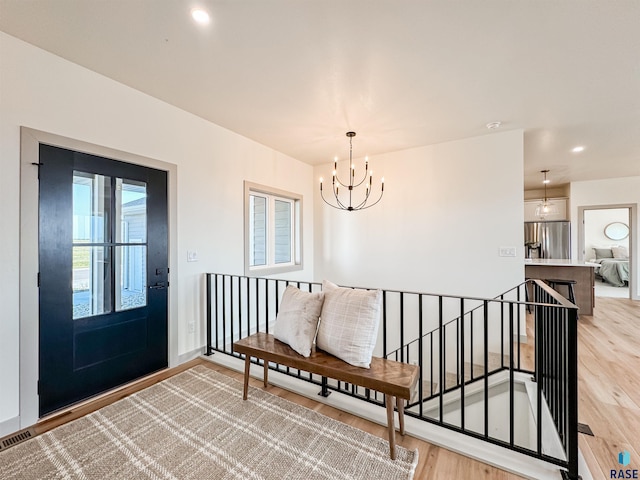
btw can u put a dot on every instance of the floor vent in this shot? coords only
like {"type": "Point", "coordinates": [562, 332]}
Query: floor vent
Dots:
{"type": "Point", "coordinates": [15, 439]}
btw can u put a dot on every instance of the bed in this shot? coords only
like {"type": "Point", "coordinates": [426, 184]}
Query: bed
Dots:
{"type": "Point", "coordinates": [614, 265]}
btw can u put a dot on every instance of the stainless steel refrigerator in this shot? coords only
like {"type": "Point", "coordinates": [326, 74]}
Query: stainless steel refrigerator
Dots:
{"type": "Point", "coordinates": [551, 239]}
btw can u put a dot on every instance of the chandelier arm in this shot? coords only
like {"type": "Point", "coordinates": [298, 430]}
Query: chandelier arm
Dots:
{"type": "Point", "coordinates": [364, 202]}
{"type": "Point", "coordinates": [362, 181]}
{"type": "Point", "coordinates": [364, 205]}
{"type": "Point", "coordinates": [369, 206]}
{"type": "Point", "coordinates": [341, 205]}
{"type": "Point", "coordinates": [338, 202]}
{"type": "Point", "coordinates": [325, 200]}
{"type": "Point", "coordinates": [330, 204]}
{"type": "Point", "coordinates": [340, 181]}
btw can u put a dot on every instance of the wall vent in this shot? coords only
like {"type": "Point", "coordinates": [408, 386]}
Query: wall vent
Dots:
{"type": "Point", "coordinates": [16, 438]}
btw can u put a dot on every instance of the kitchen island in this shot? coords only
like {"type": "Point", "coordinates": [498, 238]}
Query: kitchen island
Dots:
{"type": "Point", "coordinates": [564, 269]}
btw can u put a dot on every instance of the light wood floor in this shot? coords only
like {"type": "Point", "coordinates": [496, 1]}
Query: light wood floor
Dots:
{"type": "Point", "coordinates": [609, 388]}
{"type": "Point", "coordinates": [609, 383]}
{"type": "Point", "coordinates": [434, 462]}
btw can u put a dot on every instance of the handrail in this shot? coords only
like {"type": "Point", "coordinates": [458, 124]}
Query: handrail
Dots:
{"type": "Point", "coordinates": [454, 357]}
{"type": "Point", "coordinates": [561, 302]}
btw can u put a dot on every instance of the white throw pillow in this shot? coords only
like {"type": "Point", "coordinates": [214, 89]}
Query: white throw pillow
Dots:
{"type": "Point", "coordinates": [349, 323]}
{"type": "Point", "coordinates": [297, 320]}
{"type": "Point", "coordinates": [620, 252]}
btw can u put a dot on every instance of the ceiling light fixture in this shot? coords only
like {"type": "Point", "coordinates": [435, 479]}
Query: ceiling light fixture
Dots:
{"type": "Point", "coordinates": [545, 208]}
{"type": "Point", "coordinates": [494, 125]}
{"type": "Point", "coordinates": [578, 149]}
{"type": "Point", "coordinates": [200, 16]}
{"type": "Point", "coordinates": [336, 184]}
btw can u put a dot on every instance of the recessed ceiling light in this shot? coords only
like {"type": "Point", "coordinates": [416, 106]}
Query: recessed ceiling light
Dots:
{"type": "Point", "coordinates": [493, 125]}
{"type": "Point", "coordinates": [200, 16]}
{"type": "Point", "coordinates": [578, 149]}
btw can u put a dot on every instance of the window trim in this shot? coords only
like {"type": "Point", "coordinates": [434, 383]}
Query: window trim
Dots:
{"type": "Point", "coordinates": [296, 264]}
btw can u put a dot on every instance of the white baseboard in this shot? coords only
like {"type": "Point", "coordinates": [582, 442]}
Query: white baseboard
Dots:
{"type": "Point", "coordinates": [188, 356]}
{"type": "Point", "coordinates": [494, 455]}
{"type": "Point", "coordinates": [7, 427]}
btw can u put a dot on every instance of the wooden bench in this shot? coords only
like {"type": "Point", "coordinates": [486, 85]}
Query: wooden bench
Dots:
{"type": "Point", "coordinates": [395, 380]}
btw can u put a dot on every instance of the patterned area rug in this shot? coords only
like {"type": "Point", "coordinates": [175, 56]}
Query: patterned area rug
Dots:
{"type": "Point", "coordinates": [196, 426]}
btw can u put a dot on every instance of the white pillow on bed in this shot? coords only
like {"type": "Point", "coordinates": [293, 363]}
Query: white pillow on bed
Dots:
{"type": "Point", "coordinates": [349, 323]}
{"type": "Point", "coordinates": [620, 252]}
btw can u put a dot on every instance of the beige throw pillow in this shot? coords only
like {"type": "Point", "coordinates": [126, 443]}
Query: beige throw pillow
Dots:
{"type": "Point", "coordinates": [297, 320]}
{"type": "Point", "coordinates": [349, 323]}
{"type": "Point", "coordinates": [620, 252]}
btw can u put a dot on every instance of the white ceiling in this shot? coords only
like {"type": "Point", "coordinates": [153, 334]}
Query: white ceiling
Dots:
{"type": "Point", "coordinates": [295, 75]}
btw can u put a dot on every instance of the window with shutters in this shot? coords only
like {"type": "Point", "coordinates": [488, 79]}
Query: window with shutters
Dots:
{"type": "Point", "coordinates": [272, 230]}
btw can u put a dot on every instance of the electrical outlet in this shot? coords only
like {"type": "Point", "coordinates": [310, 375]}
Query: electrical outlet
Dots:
{"type": "Point", "coordinates": [507, 251]}
{"type": "Point", "coordinates": [192, 256]}
{"type": "Point", "coordinates": [191, 327]}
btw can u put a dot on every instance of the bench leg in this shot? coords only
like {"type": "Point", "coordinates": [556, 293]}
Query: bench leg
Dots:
{"type": "Point", "coordinates": [390, 426]}
{"type": "Point", "coordinates": [265, 376]}
{"type": "Point", "coordinates": [400, 405]}
{"type": "Point", "coordinates": [247, 365]}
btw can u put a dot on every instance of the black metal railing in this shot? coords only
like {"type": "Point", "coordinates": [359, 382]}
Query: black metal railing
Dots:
{"type": "Point", "coordinates": [556, 331]}
{"type": "Point", "coordinates": [472, 348]}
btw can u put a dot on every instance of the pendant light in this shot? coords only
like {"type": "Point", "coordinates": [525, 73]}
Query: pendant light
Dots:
{"type": "Point", "coordinates": [545, 208]}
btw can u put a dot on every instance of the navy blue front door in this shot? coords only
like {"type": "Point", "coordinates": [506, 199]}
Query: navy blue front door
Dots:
{"type": "Point", "coordinates": [103, 261]}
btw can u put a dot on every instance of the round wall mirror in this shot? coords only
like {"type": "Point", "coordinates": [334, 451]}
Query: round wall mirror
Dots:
{"type": "Point", "coordinates": [617, 231]}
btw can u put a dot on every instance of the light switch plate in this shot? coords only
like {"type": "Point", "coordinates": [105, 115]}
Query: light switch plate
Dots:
{"type": "Point", "coordinates": [507, 251]}
{"type": "Point", "coordinates": [192, 256]}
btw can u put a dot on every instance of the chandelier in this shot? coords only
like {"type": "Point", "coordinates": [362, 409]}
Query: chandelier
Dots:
{"type": "Point", "coordinates": [346, 201]}
{"type": "Point", "coordinates": [546, 207]}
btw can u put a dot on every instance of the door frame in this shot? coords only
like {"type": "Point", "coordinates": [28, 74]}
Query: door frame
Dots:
{"type": "Point", "coordinates": [633, 240]}
{"type": "Point", "coordinates": [30, 141]}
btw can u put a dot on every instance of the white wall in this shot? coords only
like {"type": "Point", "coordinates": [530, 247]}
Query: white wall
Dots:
{"type": "Point", "coordinates": [595, 222]}
{"type": "Point", "coordinates": [612, 191]}
{"type": "Point", "coordinates": [446, 211]}
{"type": "Point", "coordinates": [47, 93]}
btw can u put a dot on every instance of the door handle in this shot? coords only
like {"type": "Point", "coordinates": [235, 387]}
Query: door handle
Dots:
{"type": "Point", "coordinates": [158, 286]}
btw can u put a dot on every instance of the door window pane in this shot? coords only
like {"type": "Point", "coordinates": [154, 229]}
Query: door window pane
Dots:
{"type": "Point", "coordinates": [131, 211]}
{"type": "Point", "coordinates": [131, 275]}
{"type": "Point", "coordinates": [282, 240]}
{"type": "Point", "coordinates": [91, 204]}
{"type": "Point", "coordinates": [91, 281]}
{"type": "Point", "coordinates": [257, 230]}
